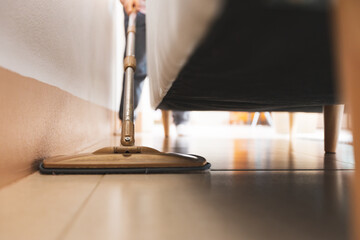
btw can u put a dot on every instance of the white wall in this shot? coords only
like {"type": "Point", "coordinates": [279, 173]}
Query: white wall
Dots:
{"type": "Point", "coordinates": [70, 44]}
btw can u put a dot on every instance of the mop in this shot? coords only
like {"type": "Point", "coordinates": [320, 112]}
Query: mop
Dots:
{"type": "Point", "coordinates": [126, 158]}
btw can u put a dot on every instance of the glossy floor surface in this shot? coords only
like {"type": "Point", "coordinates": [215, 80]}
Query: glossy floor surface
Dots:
{"type": "Point", "coordinates": [259, 188]}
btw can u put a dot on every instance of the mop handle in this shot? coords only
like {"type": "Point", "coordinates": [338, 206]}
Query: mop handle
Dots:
{"type": "Point", "coordinates": [127, 131]}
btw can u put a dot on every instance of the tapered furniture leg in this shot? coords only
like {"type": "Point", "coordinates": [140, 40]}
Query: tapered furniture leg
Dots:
{"type": "Point", "coordinates": [348, 39]}
{"type": "Point", "coordinates": [291, 124]}
{"type": "Point", "coordinates": [166, 122]}
{"type": "Point", "coordinates": [269, 119]}
{"type": "Point", "coordinates": [333, 115]}
{"type": "Point", "coordinates": [255, 119]}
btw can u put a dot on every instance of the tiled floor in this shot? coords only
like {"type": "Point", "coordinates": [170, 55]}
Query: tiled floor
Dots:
{"type": "Point", "coordinates": [259, 188]}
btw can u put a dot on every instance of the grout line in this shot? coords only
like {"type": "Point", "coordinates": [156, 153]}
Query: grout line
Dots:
{"type": "Point", "coordinates": [95, 143]}
{"type": "Point", "coordinates": [66, 230]}
{"type": "Point", "coordinates": [322, 156]}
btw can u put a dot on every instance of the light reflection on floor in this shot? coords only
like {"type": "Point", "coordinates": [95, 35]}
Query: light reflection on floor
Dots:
{"type": "Point", "coordinates": [246, 148]}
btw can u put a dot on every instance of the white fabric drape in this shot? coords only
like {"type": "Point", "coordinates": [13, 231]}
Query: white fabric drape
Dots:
{"type": "Point", "coordinates": [174, 28]}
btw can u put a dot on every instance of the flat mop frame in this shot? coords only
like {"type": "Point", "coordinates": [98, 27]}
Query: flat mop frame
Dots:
{"type": "Point", "coordinates": [127, 158]}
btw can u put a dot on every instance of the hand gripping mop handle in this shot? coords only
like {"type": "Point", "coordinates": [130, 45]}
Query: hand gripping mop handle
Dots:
{"type": "Point", "coordinates": [127, 131]}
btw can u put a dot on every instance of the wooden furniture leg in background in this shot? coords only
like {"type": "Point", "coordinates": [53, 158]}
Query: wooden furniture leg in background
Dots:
{"type": "Point", "coordinates": [333, 115]}
{"type": "Point", "coordinates": [255, 119]}
{"type": "Point", "coordinates": [348, 39]}
{"type": "Point", "coordinates": [166, 122]}
{"type": "Point", "coordinates": [291, 125]}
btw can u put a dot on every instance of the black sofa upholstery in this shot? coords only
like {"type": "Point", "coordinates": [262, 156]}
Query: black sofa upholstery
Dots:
{"type": "Point", "coordinates": [261, 55]}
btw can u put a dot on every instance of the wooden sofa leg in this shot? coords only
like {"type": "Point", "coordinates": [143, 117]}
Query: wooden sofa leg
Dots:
{"type": "Point", "coordinates": [333, 115]}
{"type": "Point", "coordinates": [166, 122]}
{"type": "Point", "coordinates": [291, 125]}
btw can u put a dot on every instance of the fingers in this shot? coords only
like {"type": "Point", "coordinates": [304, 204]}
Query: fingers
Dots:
{"type": "Point", "coordinates": [137, 5]}
{"type": "Point", "coordinates": [131, 6]}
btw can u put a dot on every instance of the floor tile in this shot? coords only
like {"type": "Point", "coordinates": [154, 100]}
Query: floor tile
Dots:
{"type": "Point", "coordinates": [41, 206]}
{"type": "Point", "coordinates": [217, 205]}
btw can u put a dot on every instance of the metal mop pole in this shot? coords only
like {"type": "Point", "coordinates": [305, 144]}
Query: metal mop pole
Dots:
{"type": "Point", "coordinates": [127, 131]}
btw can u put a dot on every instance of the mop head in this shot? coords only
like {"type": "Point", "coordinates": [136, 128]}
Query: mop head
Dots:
{"type": "Point", "coordinates": [112, 160]}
